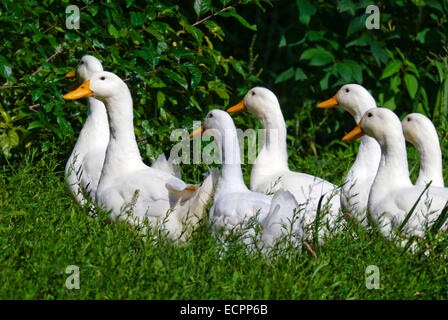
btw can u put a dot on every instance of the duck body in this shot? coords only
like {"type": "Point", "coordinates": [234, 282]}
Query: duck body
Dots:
{"type": "Point", "coordinates": [392, 195]}
{"type": "Point", "coordinates": [271, 172]}
{"type": "Point", "coordinates": [355, 191]}
{"type": "Point", "coordinates": [234, 204]}
{"type": "Point", "coordinates": [234, 209]}
{"type": "Point", "coordinates": [128, 188]}
{"type": "Point", "coordinates": [83, 168]}
{"type": "Point", "coordinates": [359, 179]}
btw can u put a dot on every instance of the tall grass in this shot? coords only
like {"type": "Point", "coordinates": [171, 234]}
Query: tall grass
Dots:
{"type": "Point", "coordinates": [42, 231]}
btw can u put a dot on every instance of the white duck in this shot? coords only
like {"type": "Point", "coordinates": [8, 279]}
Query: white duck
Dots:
{"type": "Point", "coordinates": [271, 171]}
{"type": "Point", "coordinates": [128, 188]}
{"type": "Point", "coordinates": [392, 194]}
{"type": "Point", "coordinates": [356, 100]}
{"type": "Point", "coordinates": [234, 204]}
{"type": "Point", "coordinates": [420, 131]}
{"type": "Point", "coordinates": [83, 168]}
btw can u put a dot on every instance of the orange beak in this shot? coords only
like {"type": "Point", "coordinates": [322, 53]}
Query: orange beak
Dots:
{"type": "Point", "coordinates": [330, 103]}
{"type": "Point", "coordinates": [82, 92]}
{"type": "Point", "coordinates": [71, 74]}
{"type": "Point", "coordinates": [355, 134]}
{"type": "Point", "coordinates": [240, 107]}
{"type": "Point", "coordinates": [199, 130]}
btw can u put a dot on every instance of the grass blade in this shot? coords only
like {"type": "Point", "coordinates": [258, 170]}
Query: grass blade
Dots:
{"type": "Point", "coordinates": [440, 220]}
{"type": "Point", "coordinates": [408, 216]}
{"type": "Point", "coordinates": [317, 222]}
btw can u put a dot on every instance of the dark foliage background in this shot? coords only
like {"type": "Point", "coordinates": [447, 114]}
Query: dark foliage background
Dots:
{"type": "Point", "coordinates": [181, 59]}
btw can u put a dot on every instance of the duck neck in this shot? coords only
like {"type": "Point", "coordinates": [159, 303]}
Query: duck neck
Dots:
{"type": "Point", "coordinates": [122, 151]}
{"type": "Point", "coordinates": [94, 134]}
{"type": "Point", "coordinates": [274, 150]}
{"type": "Point", "coordinates": [430, 162]}
{"type": "Point", "coordinates": [368, 157]}
{"type": "Point", "coordinates": [393, 170]}
{"type": "Point", "coordinates": [369, 152]}
{"type": "Point", "coordinates": [97, 121]}
{"type": "Point", "coordinates": [231, 175]}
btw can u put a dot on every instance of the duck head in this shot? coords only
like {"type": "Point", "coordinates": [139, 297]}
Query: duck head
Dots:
{"type": "Point", "coordinates": [353, 98]}
{"type": "Point", "coordinates": [215, 120]}
{"type": "Point", "coordinates": [258, 101]}
{"type": "Point", "coordinates": [378, 123]}
{"type": "Point", "coordinates": [102, 85]}
{"type": "Point", "coordinates": [417, 129]}
{"type": "Point", "coordinates": [88, 66]}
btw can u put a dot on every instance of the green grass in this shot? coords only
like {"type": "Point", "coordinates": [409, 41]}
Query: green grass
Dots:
{"type": "Point", "coordinates": [42, 231]}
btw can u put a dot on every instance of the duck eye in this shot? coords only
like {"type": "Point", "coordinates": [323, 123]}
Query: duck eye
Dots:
{"type": "Point", "coordinates": [409, 119]}
{"type": "Point", "coordinates": [253, 93]}
{"type": "Point", "coordinates": [210, 115]}
{"type": "Point", "coordinates": [103, 78]}
{"type": "Point", "coordinates": [347, 90]}
{"type": "Point", "coordinates": [369, 114]}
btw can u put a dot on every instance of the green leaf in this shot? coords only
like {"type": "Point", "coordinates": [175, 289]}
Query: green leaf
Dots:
{"type": "Point", "coordinates": [180, 53]}
{"type": "Point", "coordinates": [390, 104]}
{"type": "Point", "coordinates": [378, 52]}
{"type": "Point", "coordinates": [346, 5]}
{"type": "Point", "coordinates": [411, 84]}
{"type": "Point", "coordinates": [300, 75]}
{"type": "Point", "coordinates": [36, 94]}
{"type": "Point", "coordinates": [237, 65]}
{"type": "Point", "coordinates": [160, 99]}
{"type": "Point", "coordinates": [344, 70]}
{"type": "Point", "coordinates": [362, 41]}
{"type": "Point", "coordinates": [112, 31]}
{"type": "Point", "coordinates": [13, 138]}
{"type": "Point", "coordinates": [9, 140]}
{"type": "Point", "coordinates": [195, 103]}
{"type": "Point", "coordinates": [149, 54]}
{"type": "Point", "coordinates": [324, 81]}
{"type": "Point", "coordinates": [5, 68]}
{"type": "Point", "coordinates": [306, 11]}
{"type": "Point", "coordinates": [392, 68]}
{"type": "Point", "coordinates": [176, 77]}
{"type": "Point", "coordinates": [137, 19]}
{"type": "Point", "coordinates": [196, 74]}
{"type": "Point", "coordinates": [36, 124]}
{"type": "Point", "coordinates": [285, 75]}
{"type": "Point", "coordinates": [232, 13]}
{"type": "Point", "coordinates": [318, 56]}
{"type": "Point", "coordinates": [282, 42]}
{"type": "Point", "coordinates": [65, 126]}
{"type": "Point", "coordinates": [93, 10]}
{"type": "Point", "coordinates": [421, 35]}
{"type": "Point", "coordinates": [395, 83]}
{"type": "Point", "coordinates": [356, 70]}
{"type": "Point", "coordinates": [98, 44]}
{"type": "Point", "coordinates": [219, 88]}
{"type": "Point", "coordinates": [201, 6]}
{"type": "Point", "coordinates": [195, 32]}
{"type": "Point", "coordinates": [356, 24]}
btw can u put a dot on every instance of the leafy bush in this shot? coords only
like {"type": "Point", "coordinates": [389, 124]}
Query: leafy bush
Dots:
{"type": "Point", "coordinates": [180, 60]}
{"type": "Point", "coordinates": [310, 48]}
{"type": "Point", "coordinates": [169, 54]}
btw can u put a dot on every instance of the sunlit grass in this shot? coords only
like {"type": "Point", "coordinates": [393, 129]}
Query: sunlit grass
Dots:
{"type": "Point", "coordinates": [42, 231]}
